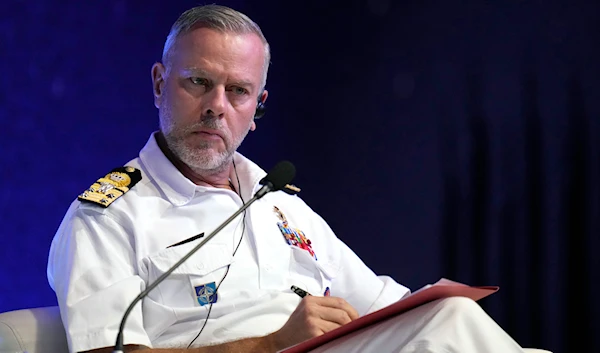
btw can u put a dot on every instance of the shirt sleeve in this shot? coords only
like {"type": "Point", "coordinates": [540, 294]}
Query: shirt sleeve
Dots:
{"type": "Point", "coordinates": [91, 267]}
{"type": "Point", "coordinates": [361, 287]}
{"type": "Point", "coordinates": [354, 281]}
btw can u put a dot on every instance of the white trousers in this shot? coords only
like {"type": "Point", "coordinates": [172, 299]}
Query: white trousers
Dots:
{"type": "Point", "coordinates": [451, 325]}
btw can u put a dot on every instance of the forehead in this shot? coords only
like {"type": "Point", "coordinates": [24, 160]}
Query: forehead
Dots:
{"type": "Point", "coordinates": [211, 50]}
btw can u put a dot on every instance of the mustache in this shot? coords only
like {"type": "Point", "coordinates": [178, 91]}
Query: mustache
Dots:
{"type": "Point", "coordinates": [207, 122]}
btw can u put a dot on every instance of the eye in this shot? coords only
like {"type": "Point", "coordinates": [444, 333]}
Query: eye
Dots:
{"type": "Point", "coordinates": [199, 81]}
{"type": "Point", "coordinates": [239, 90]}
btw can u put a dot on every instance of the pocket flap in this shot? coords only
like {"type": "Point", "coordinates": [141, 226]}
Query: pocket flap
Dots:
{"type": "Point", "coordinates": [328, 268]}
{"type": "Point", "coordinates": [304, 258]}
{"type": "Point", "coordinates": [208, 258]}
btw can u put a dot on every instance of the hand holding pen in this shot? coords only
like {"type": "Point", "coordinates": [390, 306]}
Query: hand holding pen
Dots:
{"type": "Point", "coordinates": [314, 316]}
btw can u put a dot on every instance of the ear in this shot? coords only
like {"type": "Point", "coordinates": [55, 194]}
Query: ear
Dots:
{"type": "Point", "coordinates": [158, 82]}
{"type": "Point", "coordinates": [262, 98]}
{"type": "Point", "coordinates": [264, 95]}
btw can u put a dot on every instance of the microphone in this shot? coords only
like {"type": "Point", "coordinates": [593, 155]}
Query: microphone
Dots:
{"type": "Point", "coordinates": [277, 178]}
{"type": "Point", "coordinates": [281, 175]}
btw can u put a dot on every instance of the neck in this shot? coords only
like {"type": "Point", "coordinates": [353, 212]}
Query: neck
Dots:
{"type": "Point", "coordinates": [215, 178]}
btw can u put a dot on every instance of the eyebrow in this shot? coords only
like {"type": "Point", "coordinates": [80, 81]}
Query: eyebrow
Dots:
{"type": "Point", "coordinates": [243, 83]}
{"type": "Point", "coordinates": [195, 71]}
{"type": "Point", "coordinates": [201, 72]}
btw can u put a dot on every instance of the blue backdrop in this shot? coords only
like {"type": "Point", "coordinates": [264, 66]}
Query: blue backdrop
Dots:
{"type": "Point", "coordinates": [438, 138]}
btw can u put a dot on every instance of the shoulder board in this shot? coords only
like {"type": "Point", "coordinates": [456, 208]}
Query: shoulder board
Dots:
{"type": "Point", "coordinates": [112, 186]}
{"type": "Point", "coordinates": [291, 189]}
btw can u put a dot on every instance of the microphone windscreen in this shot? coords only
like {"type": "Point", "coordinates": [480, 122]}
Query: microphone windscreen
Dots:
{"type": "Point", "coordinates": [280, 175]}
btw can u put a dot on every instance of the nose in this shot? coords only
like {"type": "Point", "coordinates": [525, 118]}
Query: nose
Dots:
{"type": "Point", "coordinates": [214, 102]}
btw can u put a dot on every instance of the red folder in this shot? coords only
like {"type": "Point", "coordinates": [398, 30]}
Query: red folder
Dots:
{"type": "Point", "coordinates": [443, 288]}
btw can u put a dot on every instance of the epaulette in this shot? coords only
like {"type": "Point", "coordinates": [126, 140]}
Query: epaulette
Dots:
{"type": "Point", "coordinates": [112, 186]}
{"type": "Point", "coordinates": [291, 189]}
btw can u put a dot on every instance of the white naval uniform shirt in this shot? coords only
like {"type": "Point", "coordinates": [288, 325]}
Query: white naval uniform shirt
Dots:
{"type": "Point", "coordinates": [101, 258]}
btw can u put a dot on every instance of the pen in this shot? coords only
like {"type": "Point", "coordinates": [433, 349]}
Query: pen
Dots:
{"type": "Point", "coordinates": [187, 240]}
{"type": "Point", "coordinates": [301, 292]}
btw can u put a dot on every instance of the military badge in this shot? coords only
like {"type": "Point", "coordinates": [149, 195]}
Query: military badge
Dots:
{"type": "Point", "coordinates": [112, 186]}
{"type": "Point", "coordinates": [293, 236]}
{"type": "Point", "coordinates": [206, 293]}
{"type": "Point", "coordinates": [291, 189]}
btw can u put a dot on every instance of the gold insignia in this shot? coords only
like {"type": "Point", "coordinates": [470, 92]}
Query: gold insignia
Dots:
{"type": "Point", "coordinates": [112, 186]}
{"type": "Point", "coordinates": [279, 214]}
{"type": "Point", "coordinates": [291, 189]}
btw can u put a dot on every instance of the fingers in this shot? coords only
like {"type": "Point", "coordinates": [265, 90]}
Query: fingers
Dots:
{"type": "Point", "coordinates": [313, 317]}
{"type": "Point", "coordinates": [349, 313]}
{"type": "Point", "coordinates": [319, 319]}
{"type": "Point", "coordinates": [324, 326]}
{"type": "Point", "coordinates": [335, 316]}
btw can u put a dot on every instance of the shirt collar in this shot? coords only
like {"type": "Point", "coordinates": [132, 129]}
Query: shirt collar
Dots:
{"type": "Point", "coordinates": [250, 174]}
{"type": "Point", "coordinates": [178, 189]}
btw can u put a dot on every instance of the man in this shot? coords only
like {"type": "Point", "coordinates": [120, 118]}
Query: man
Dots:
{"type": "Point", "coordinates": [234, 294]}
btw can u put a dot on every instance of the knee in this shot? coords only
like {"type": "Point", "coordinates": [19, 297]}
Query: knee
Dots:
{"type": "Point", "coordinates": [460, 306]}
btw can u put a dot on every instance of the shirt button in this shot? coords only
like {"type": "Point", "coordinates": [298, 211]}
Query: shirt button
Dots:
{"type": "Point", "coordinates": [200, 266]}
{"type": "Point", "coordinates": [269, 267]}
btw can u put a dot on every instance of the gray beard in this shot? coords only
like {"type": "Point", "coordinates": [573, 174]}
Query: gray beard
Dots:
{"type": "Point", "coordinates": [200, 158]}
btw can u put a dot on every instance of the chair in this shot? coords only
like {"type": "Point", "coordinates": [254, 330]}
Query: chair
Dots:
{"type": "Point", "coordinates": [40, 330]}
{"type": "Point", "coordinates": [36, 330]}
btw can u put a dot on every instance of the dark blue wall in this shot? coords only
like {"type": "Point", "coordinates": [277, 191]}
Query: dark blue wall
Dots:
{"type": "Point", "coordinates": [454, 139]}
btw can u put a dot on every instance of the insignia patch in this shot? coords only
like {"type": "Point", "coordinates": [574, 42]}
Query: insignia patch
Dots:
{"type": "Point", "coordinates": [112, 186]}
{"type": "Point", "coordinates": [293, 236]}
{"type": "Point", "coordinates": [206, 293]}
{"type": "Point", "coordinates": [291, 189]}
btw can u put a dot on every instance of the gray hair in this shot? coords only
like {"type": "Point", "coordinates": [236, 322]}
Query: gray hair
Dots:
{"type": "Point", "coordinates": [220, 18]}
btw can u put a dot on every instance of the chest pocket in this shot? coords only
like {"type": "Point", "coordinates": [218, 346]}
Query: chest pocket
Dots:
{"type": "Point", "coordinates": [207, 265]}
{"type": "Point", "coordinates": [314, 276]}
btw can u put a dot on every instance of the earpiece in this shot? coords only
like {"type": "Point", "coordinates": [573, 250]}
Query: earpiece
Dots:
{"type": "Point", "coordinates": [260, 108]}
